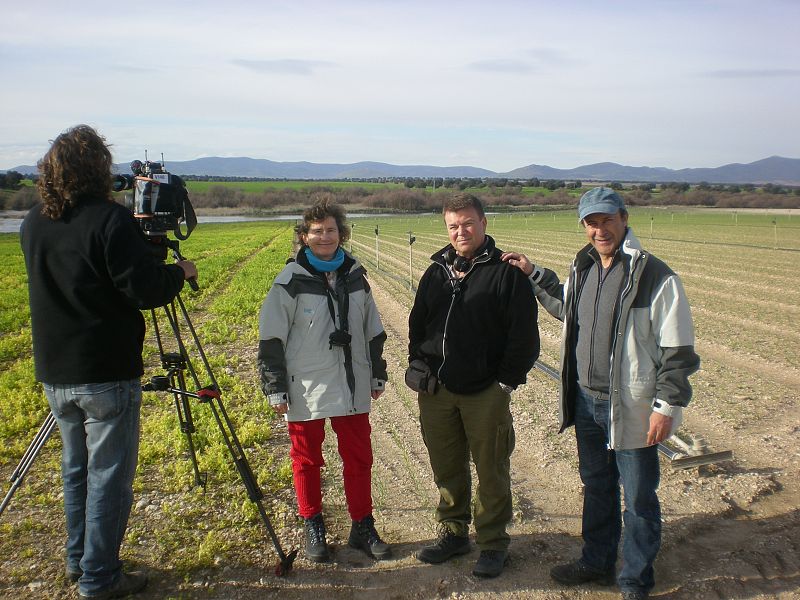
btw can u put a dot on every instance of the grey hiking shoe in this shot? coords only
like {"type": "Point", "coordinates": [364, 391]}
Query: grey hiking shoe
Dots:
{"type": "Point", "coordinates": [127, 584]}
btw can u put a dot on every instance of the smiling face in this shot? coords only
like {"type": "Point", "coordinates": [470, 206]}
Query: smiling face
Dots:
{"type": "Point", "coordinates": [606, 232]}
{"type": "Point", "coordinates": [466, 229]}
{"type": "Point", "coordinates": [322, 238]}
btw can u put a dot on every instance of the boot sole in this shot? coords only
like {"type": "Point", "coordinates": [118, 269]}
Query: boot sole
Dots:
{"type": "Point", "coordinates": [319, 559]}
{"type": "Point", "coordinates": [370, 553]}
{"type": "Point", "coordinates": [604, 580]}
{"type": "Point", "coordinates": [459, 552]}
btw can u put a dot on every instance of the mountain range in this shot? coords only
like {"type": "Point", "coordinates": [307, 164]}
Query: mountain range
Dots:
{"type": "Point", "coordinates": [775, 169]}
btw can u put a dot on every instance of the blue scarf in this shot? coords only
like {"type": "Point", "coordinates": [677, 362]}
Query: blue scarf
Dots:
{"type": "Point", "coordinates": [325, 266]}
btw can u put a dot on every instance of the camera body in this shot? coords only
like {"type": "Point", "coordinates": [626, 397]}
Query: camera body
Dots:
{"type": "Point", "coordinates": [159, 201]}
{"type": "Point", "coordinates": [339, 338]}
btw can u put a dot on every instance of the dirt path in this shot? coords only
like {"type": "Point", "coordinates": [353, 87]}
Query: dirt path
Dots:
{"type": "Point", "coordinates": [732, 530]}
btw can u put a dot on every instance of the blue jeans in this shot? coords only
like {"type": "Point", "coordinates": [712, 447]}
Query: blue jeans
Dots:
{"type": "Point", "coordinates": [602, 470]}
{"type": "Point", "coordinates": [99, 425]}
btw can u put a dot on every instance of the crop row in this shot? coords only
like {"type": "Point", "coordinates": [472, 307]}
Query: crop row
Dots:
{"type": "Point", "coordinates": [745, 293]}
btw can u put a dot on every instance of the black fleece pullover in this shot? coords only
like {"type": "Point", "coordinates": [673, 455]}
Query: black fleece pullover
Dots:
{"type": "Point", "coordinates": [89, 274]}
{"type": "Point", "coordinates": [478, 330]}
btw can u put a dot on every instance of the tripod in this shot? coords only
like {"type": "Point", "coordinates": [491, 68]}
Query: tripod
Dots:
{"type": "Point", "coordinates": [174, 382]}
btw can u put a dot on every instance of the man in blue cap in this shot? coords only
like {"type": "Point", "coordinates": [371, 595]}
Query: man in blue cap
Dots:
{"type": "Point", "coordinates": [626, 355]}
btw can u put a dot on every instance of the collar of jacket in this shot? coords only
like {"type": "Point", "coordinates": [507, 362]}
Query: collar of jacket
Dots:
{"type": "Point", "coordinates": [486, 253]}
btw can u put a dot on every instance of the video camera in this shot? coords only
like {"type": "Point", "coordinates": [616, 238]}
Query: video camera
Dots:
{"type": "Point", "coordinates": [159, 202]}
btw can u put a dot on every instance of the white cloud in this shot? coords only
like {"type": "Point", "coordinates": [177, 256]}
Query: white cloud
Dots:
{"type": "Point", "coordinates": [500, 85]}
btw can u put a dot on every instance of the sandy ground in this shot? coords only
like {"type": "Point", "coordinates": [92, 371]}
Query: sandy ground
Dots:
{"type": "Point", "coordinates": [731, 530]}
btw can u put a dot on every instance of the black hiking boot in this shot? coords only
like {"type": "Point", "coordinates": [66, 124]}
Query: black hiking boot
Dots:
{"type": "Point", "coordinates": [490, 563]}
{"type": "Point", "coordinates": [446, 547]}
{"type": "Point", "coordinates": [577, 572]}
{"type": "Point", "coordinates": [316, 545]}
{"type": "Point", "coordinates": [363, 536]}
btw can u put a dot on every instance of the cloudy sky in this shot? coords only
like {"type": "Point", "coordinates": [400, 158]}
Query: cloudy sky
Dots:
{"type": "Point", "coordinates": [495, 84]}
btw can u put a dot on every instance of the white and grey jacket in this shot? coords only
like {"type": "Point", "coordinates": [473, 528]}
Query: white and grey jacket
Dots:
{"type": "Point", "coordinates": [298, 363]}
{"type": "Point", "coordinates": [652, 350]}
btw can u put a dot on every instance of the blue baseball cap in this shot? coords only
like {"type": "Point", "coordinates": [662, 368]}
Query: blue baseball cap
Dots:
{"type": "Point", "coordinates": [600, 200]}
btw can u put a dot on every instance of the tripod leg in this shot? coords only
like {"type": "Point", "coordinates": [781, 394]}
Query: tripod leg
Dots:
{"type": "Point", "coordinates": [38, 442]}
{"type": "Point", "coordinates": [246, 473]}
{"type": "Point", "coordinates": [184, 411]}
{"type": "Point", "coordinates": [210, 395]}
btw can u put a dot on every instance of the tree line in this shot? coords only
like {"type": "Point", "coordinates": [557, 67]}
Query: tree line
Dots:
{"type": "Point", "coordinates": [427, 194]}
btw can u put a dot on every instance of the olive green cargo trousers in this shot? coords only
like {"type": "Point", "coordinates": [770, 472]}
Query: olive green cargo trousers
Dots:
{"type": "Point", "coordinates": [453, 426]}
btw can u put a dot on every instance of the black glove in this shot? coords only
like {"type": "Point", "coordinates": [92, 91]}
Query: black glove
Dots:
{"type": "Point", "coordinates": [420, 379]}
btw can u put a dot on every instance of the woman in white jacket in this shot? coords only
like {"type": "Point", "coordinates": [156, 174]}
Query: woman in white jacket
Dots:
{"type": "Point", "coordinates": [320, 356]}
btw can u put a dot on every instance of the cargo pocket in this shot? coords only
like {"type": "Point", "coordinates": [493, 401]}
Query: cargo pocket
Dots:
{"type": "Point", "coordinates": [505, 441]}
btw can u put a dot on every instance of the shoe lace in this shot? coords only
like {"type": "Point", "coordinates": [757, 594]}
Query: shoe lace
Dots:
{"type": "Point", "coordinates": [316, 529]}
{"type": "Point", "coordinates": [366, 528]}
{"type": "Point", "coordinates": [443, 533]}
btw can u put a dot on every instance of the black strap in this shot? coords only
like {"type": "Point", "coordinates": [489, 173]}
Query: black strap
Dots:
{"type": "Point", "coordinates": [343, 298]}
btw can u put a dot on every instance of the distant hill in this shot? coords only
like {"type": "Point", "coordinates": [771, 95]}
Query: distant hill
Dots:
{"type": "Point", "coordinates": [775, 169]}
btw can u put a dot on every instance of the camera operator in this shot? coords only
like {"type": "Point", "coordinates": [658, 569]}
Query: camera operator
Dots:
{"type": "Point", "coordinates": [90, 271]}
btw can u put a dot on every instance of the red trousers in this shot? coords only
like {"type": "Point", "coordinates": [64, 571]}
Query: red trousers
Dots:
{"type": "Point", "coordinates": [355, 448]}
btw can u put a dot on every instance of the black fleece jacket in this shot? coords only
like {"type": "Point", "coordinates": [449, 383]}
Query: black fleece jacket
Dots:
{"type": "Point", "coordinates": [89, 274]}
{"type": "Point", "coordinates": [478, 330]}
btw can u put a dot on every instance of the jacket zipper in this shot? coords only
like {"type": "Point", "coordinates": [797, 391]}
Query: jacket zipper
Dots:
{"type": "Point", "coordinates": [455, 285]}
{"type": "Point", "coordinates": [617, 333]}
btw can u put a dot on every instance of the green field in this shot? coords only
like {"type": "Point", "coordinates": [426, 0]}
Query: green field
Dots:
{"type": "Point", "coordinates": [259, 187]}
{"type": "Point", "coordinates": [728, 262]}
{"type": "Point", "coordinates": [738, 269]}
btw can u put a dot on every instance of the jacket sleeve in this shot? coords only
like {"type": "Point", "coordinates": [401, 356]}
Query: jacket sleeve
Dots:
{"type": "Point", "coordinates": [376, 357]}
{"type": "Point", "coordinates": [522, 331]}
{"type": "Point", "coordinates": [274, 323]}
{"type": "Point", "coordinates": [417, 318]}
{"type": "Point", "coordinates": [674, 335]}
{"type": "Point", "coordinates": [549, 291]}
{"type": "Point", "coordinates": [133, 267]}
{"type": "Point", "coordinates": [272, 367]}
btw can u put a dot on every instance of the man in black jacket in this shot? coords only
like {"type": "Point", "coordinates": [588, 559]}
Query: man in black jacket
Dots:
{"type": "Point", "coordinates": [472, 340]}
{"type": "Point", "coordinates": [90, 271]}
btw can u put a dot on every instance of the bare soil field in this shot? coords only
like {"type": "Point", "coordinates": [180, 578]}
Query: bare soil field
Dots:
{"type": "Point", "coordinates": [731, 529]}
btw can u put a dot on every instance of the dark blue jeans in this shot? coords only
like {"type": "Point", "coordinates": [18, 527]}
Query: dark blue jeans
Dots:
{"type": "Point", "coordinates": [99, 425]}
{"type": "Point", "coordinates": [602, 470]}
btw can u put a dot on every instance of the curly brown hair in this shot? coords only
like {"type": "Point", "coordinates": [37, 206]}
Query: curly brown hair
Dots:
{"type": "Point", "coordinates": [77, 165]}
{"type": "Point", "coordinates": [319, 211]}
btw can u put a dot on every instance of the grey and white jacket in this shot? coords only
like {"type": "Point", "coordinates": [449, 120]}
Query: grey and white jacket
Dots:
{"type": "Point", "coordinates": [652, 350]}
{"type": "Point", "coordinates": [297, 362]}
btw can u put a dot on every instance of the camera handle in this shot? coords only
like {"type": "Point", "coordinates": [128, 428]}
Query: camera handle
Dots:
{"type": "Point", "coordinates": [174, 245]}
{"type": "Point", "coordinates": [176, 363]}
